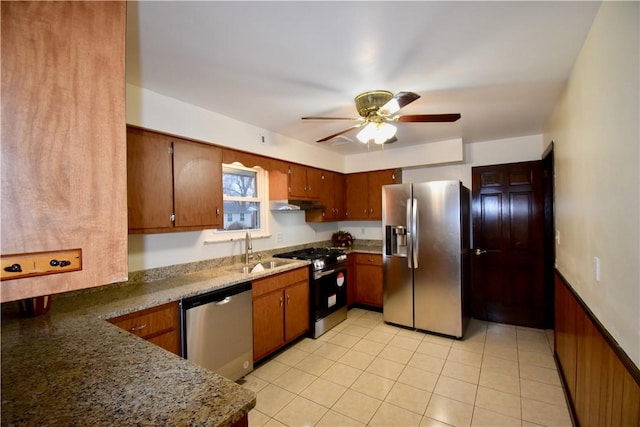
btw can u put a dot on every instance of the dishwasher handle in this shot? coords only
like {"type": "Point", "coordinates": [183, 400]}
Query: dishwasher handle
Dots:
{"type": "Point", "coordinates": [218, 297]}
{"type": "Point", "coordinates": [224, 301]}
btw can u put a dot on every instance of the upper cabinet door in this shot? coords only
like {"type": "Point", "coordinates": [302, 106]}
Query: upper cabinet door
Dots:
{"type": "Point", "coordinates": [149, 180]}
{"type": "Point", "coordinates": [364, 193]}
{"type": "Point", "coordinates": [376, 180]}
{"type": "Point", "coordinates": [304, 182]}
{"type": "Point", "coordinates": [327, 196]}
{"type": "Point", "coordinates": [314, 183]}
{"type": "Point", "coordinates": [64, 141]}
{"type": "Point", "coordinates": [338, 196]}
{"type": "Point", "coordinates": [357, 199]}
{"type": "Point", "coordinates": [197, 182]}
{"type": "Point", "coordinates": [173, 184]}
{"type": "Point", "coordinates": [297, 182]}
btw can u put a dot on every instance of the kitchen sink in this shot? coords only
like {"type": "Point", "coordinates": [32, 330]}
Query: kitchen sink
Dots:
{"type": "Point", "coordinates": [266, 265]}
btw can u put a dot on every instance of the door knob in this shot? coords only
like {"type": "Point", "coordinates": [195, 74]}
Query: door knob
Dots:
{"type": "Point", "coordinates": [479, 252]}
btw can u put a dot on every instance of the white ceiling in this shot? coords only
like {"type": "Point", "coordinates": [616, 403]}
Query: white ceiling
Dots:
{"type": "Point", "coordinates": [501, 65]}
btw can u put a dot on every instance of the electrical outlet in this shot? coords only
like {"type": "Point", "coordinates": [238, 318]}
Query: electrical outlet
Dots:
{"type": "Point", "coordinates": [557, 237]}
{"type": "Point", "coordinates": [596, 268]}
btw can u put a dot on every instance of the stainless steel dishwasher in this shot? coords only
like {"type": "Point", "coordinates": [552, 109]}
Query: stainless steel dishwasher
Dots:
{"type": "Point", "coordinates": [217, 330]}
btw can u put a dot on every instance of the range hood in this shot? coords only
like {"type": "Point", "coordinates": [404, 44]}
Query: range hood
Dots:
{"type": "Point", "coordinates": [293, 205]}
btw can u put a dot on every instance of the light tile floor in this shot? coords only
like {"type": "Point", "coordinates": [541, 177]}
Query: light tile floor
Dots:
{"type": "Point", "coordinates": [366, 372]}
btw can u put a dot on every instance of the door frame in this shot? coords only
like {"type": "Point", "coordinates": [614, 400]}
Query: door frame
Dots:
{"type": "Point", "coordinates": [548, 169]}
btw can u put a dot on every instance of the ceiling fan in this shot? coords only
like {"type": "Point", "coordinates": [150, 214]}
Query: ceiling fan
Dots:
{"type": "Point", "coordinates": [377, 109]}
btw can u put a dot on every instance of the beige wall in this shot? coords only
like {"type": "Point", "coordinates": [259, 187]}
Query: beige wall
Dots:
{"type": "Point", "coordinates": [595, 128]}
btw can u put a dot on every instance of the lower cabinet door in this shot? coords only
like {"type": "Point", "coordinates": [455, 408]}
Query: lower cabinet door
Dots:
{"type": "Point", "coordinates": [369, 285]}
{"type": "Point", "coordinates": [268, 323]}
{"type": "Point", "coordinates": [296, 314]}
{"type": "Point", "coordinates": [159, 325]}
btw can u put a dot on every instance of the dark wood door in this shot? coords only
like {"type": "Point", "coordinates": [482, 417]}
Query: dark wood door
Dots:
{"type": "Point", "coordinates": [508, 228]}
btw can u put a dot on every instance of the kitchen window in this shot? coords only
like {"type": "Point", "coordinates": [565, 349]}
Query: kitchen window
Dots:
{"type": "Point", "coordinates": [245, 200]}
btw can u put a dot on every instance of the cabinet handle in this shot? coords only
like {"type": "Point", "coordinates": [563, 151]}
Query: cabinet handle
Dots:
{"type": "Point", "coordinates": [217, 211]}
{"type": "Point", "coordinates": [138, 328]}
{"type": "Point", "coordinates": [56, 263]}
{"type": "Point", "coordinates": [13, 268]}
{"type": "Point", "coordinates": [281, 301]}
{"type": "Point", "coordinates": [371, 210]}
{"type": "Point", "coordinates": [288, 299]}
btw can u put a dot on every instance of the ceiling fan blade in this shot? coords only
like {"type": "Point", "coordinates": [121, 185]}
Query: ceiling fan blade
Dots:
{"type": "Point", "coordinates": [397, 102]}
{"type": "Point", "coordinates": [330, 118]}
{"type": "Point", "coordinates": [431, 118]}
{"type": "Point", "coordinates": [339, 133]}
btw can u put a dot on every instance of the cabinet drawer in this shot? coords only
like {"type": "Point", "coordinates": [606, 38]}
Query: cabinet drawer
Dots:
{"type": "Point", "coordinates": [150, 322]}
{"type": "Point", "coordinates": [279, 281]}
{"type": "Point", "coordinates": [369, 259]}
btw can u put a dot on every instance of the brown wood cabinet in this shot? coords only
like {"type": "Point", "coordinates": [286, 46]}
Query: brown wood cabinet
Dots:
{"type": "Point", "coordinates": [280, 310]}
{"type": "Point", "coordinates": [364, 193]}
{"type": "Point", "coordinates": [63, 140]}
{"type": "Point", "coordinates": [332, 189]}
{"type": "Point", "coordinates": [304, 182]}
{"type": "Point", "coordinates": [158, 325]}
{"type": "Point", "coordinates": [173, 184]}
{"type": "Point", "coordinates": [351, 280]}
{"type": "Point", "coordinates": [368, 272]}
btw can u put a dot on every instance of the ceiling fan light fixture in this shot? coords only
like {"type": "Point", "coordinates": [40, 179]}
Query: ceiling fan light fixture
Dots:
{"type": "Point", "coordinates": [368, 103]}
{"type": "Point", "coordinates": [376, 132]}
{"type": "Point", "coordinates": [367, 133]}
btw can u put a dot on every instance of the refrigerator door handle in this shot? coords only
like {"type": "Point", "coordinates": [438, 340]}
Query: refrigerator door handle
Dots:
{"type": "Point", "coordinates": [415, 237]}
{"type": "Point", "coordinates": [409, 234]}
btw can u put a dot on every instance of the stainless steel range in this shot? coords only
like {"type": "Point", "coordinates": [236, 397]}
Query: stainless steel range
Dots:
{"type": "Point", "coordinates": [327, 286]}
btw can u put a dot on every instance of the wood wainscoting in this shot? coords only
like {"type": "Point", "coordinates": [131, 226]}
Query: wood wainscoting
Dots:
{"type": "Point", "coordinates": [602, 383]}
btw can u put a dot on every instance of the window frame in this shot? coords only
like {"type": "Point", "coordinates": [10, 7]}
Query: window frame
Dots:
{"type": "Point", "coordinates": [262, 185]}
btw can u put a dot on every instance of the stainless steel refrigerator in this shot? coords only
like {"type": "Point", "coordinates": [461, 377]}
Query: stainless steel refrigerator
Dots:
{"type": "Point", "coordinates": [426, 256]}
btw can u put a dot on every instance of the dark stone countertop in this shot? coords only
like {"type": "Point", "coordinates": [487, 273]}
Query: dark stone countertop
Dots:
{"type": "Point", "coordinates": [71, 367]}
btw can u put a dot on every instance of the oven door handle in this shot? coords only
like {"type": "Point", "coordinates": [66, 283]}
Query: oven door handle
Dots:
{"type": "Point", "coordinates": [320, 274]}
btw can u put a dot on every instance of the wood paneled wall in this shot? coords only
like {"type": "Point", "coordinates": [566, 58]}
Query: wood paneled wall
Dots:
{"type": "Point", "coordinates": [602, 382]}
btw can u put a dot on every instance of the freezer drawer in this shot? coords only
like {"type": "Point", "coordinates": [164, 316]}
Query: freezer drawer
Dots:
{"type": "Point", "coordinates": [217, 330]}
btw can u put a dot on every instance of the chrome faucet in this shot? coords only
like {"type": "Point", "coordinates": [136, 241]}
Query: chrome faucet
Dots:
{"type": "Point", "coordinates": [248, 248]}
